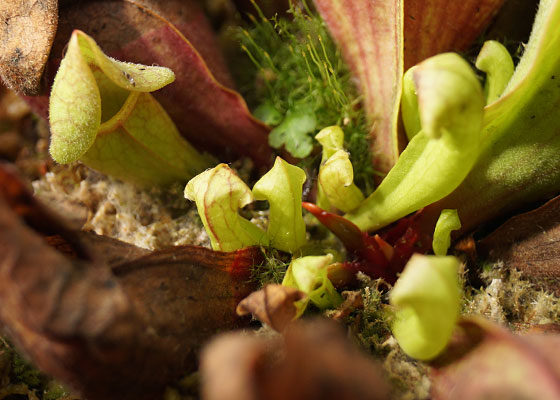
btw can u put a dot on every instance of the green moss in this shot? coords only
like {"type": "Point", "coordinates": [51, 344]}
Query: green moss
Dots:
{"type": "Point", "coordinates": [55, 391]}
{"type": "Point", "coordinates": [374, 320]}
{"type": "Point", "coordinates": [17, 370]}
{"type": "Point", "coordinates": [296, 67]}
{"type": "Point", "coordinates": [272, 269]}
{"type": "Point", "coordinates": [19, 378]}
{"type": "Point", "coordinates": [24, 372]}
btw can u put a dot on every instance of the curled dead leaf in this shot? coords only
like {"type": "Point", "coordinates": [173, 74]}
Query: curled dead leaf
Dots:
{"type": "Point", "coordinates": [314, 361]}
{"type": "Point", "coordinates": [272, 305]}
{"type": "Point", "coordinates": [230, 366]}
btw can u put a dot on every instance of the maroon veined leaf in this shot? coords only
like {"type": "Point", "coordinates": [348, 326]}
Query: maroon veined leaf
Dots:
{"type": "Point", "coordinates": [115, 325]}
{"type": "Point", "coordinates": [370, 36]}
{"type": "Point", "coordinates": [437, 26]}
{"type": "Point", "coordinates": [485, 361]}
{"type": "Point", "coordinates": [174, 34]}
{"type": "Point", "coordinates": [26, 35]}
{"type": "Point", "coordinates": [191, 22]}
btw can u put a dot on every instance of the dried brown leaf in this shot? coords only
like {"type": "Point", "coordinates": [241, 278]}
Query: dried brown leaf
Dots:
{"type": "Point", "coordinates": [99, 248]}
{"type": "Point", "coordinates": [529, 242]}
{"type": "Point", "coordinates": [119, 332]}
{"type": "Point", "coordinates": [315, 361]}
{"type": "Point", "coordinates": [272, 305]}
{"type": "Point", "coordinates": [27, 30]}
{"type": "Point", "coordinates": [353, 300]}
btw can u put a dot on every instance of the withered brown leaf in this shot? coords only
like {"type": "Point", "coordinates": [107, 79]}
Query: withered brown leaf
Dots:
{"type": "Point", "coordinates": [108, 328]}
{"type": "Point", "coordinates": [272, 305]}
{"type": "Point", "coordinates": [314, 360]}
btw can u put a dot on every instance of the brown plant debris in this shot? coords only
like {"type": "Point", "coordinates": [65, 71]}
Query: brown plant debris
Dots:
{"type": "Point", "coordinates": [15, 123]}
{"type": "Point", "coordinates": [272, 305]}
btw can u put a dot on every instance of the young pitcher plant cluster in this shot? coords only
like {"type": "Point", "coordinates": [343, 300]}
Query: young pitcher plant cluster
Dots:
{"type": "Point", "coordinates": [473, 151]}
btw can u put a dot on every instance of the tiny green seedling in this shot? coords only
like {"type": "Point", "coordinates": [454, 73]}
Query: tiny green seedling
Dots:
{"type": "Point", "coordinates": [336, 174]}
{"type": "Point", "coordinates": [309, 275]}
